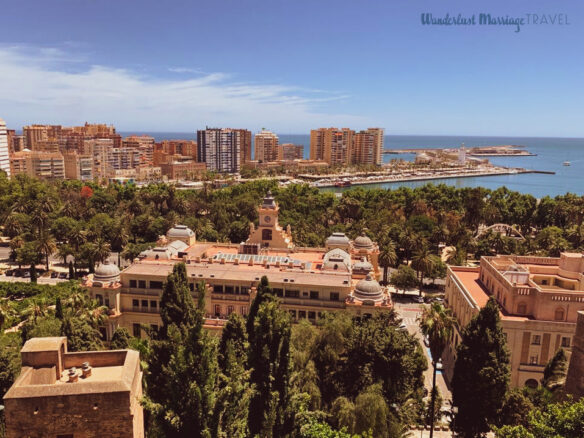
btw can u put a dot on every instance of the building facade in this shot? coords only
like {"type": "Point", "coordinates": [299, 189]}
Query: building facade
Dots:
{"type": "Point", "coordinates": [78, 167]}
{"type": "Point", "coordinates": [309, 281]}
{"type": "Point", "coordinates": [266, 146]}
{"type": "Point", "coordinates": [539, 298]}
{"type": "Point", "coordinates": [4, 148]}
{"type": "Point", "coordinates": [43, 165]}
{"type": "Point", "coordinates": [67, 395]}
{"type": "Point", "coordinates": [221, 149]}
{"type": "Point", "coordinates": [291, 152]}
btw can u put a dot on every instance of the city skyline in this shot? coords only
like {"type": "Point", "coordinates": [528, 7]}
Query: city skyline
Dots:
{"type": "Point", "coordinates": [277, 65]}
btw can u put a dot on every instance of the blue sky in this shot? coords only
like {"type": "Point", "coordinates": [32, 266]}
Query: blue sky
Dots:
{"type": "Point", "coordinates": [292, 65]}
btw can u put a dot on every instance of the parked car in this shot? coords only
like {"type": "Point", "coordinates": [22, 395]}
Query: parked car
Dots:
{"type": "Point", "coordinates": [439, 365]}
{"type": "Point", "coordinates": [54, 274]}
{"type": "Point", "coordinates": [18, 272]}
{"type": "Point", "coordinates": [9, 272]}
{"type": "Point", "coordinates": [26, 274]}
{"type": "Point", "coordinates": [63, 275]}
{"type": "Point", "coordinates": [417, 299]}
{"type": "Point", "coordinates": [402, 326]}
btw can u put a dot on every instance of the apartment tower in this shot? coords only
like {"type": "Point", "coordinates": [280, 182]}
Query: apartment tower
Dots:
{"type": "Point", "coordinates": [220, 148]}
{"type": "Point", "coordinates": [266, 146]}
{"type": "Point", "coordinates": [4, 155]}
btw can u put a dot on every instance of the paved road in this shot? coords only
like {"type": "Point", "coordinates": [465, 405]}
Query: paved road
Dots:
{"type": "Point", "coordinates": [409, 312]}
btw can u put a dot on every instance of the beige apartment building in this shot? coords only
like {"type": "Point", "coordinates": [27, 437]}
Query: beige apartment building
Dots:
{"type": "Point", "coordinates": [539, 298]}
{"type": "Point", "coordinates": [43, 165]}
{"type": "Point", "coordinates": [290, 152]}
{"type": "Point", "coordinates": [339, 147]}
{"type": "Point", "coordinates": [309, 281]}
{"type": "Point", "coordinates": [266, 146]}
{"type": "Point", "coordinates": [367, 147]}
{"type": "Point", "coordinates": [79, 167]}
{"type": "Point", "coordinates": [87, 394]}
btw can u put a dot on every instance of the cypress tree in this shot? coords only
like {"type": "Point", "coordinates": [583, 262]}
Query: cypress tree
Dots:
{"type": "Point", "coordinates": [269, 361]}
{"type": "Point", "coordinates": [481, 373]}
{"type": "Point", "coordinates": [71, 271]}
{"type": "Point", "coordinates": [554, 374]}
{"type": "Point", "coordinates": [58, 309]}
{"type": "Point", "coordinates": [263, 293]}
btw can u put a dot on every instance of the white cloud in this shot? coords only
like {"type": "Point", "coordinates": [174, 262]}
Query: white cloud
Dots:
{"type": "Point", "coordinates": [41, 86]}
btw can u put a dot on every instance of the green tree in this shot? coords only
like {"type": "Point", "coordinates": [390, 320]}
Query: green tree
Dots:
{"type": "Point", "coordinates": [387, 258]}
{"type": "Point", "coordinates": [555, 372]}
{"type": "Point", "coordinates": [58, 308]}
{"type": "Point", "coordinates": [46, 245]}
{"type": "Point", "coordinates": [481, 373]}
{"type": "Point", "coordinates": [437, 323]}
{"type": "Point", "coordinates": [120, 339]}
{"type": "Point", "coordinates": [269, 360]}
{"type": "Point", "coordinates": [423, 261]}
{"type": "Point", "coordinates": [404, 278]}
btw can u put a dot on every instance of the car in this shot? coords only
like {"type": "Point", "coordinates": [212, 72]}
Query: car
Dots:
{"type": "Point", "coordinates": [439, 365]}
{"type": "Point", "coordinates": [63, 275]}
{"type": "Point", "coordinates": [9, 272]}
{"type": "Point", "coordinates": [426, 341]}
{"type": "Point", "coordinates": [26, 274]}
{"type": "Point", "coordinates": [403, 326]}
{"type": "Point", "coordinates": [417, 299]}
{"type": "Point", "coordinates": [18, 272]}
{"type": "Point", "coordinates": [438, 300]}
{"type": "Point", "coordinates": [54, 274]}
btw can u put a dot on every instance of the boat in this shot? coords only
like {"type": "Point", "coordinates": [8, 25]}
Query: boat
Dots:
{"type": "Point", "coordinates": [566, 163]}
{"type": "Point", "coordinates": [343, 183]}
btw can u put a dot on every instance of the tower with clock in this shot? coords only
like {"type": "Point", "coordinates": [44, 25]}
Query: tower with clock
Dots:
{"type": "Point", "coordinates": [269, 233]}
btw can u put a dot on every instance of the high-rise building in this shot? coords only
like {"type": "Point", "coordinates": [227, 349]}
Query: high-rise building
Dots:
{"type": "Point", "coordinates": [4, 149]}
{"type": "Point", "coordinates": [266, 146]}
{"type": "Point", "coordinates": [35, 134]}
{"type": "Point", "coordinates": [220, 148]}
{"type": "Point", "coordinates": [43, 165]}
{"type": "Point", "coordinates": [367, 147]}
{"type": "Point", "coordinates": [290, 152]}
{"type": "Point", "coordinates": [143, 144]}
{"type": "Point", "coordinates": [245, 146]}
{"type": "Point", "coordinates": [78, 167]}
{"type": "Point", "coordinates": [332, 145]}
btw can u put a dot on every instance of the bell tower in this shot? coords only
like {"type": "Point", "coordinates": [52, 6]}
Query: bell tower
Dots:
{"type": "Point", "coordinates": [269, 233]}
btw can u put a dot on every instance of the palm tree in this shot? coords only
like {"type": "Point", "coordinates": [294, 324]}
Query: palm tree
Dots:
{"type": "Point", "coordinates": [437, 323]}
{"type": "Point", "coordinates": [101, 250]}
{"type": "Point", "coordinates": [120, 239]}
{"type": "Point", "coordinates": [423, 262]}
{"type": "Point", "coordinates": [46, 245]}
{"type": "Point", "coordinates": [387, 258]}
{"type": "Point", "coordinates": [407, 240]}
{"type": "Point", "coordinates": [36, 310]}
{"type": "Point", "coordinates": [13, 225]}
{"type": "Point", "coordinates": [15, 245]}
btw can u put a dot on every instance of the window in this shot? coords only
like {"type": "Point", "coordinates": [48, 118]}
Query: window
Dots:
{"type": "Point", "coordinates": [244, 290]}
{"type": "Point", "coordinates": [67, 435]}
{"type": "Point", "coordinates": [544, 282]}
{"type": "Point", "coordinates": [133, 283]}
{"type": "Point", "coordinates": [107, 301]}
{"type": "Point", "coordinates": [142, 284]}
{"type": "Point", "coordinates": [301, 314]}
{"type": "Point", "coordinates": [292, 294]}
{"type": "Point", "coordinates": [566, 342]}
{"type": "Point", "coordinates": [266, 234]}
{"type": "Point", "coordinates": [536, 340]}
{"type": "Point", "coordinates": [145, 304]}
{"type": "Point", "coordinates": [228, 289]}
{"type": "Point", "coordinates": [136, 331]}
{"type": "Point", "coordinates": [278, 292]}
{"type": "Point", "coordinates": [218, 288]}
{"type": "Point", "coordinates": [314, 295]}
{"type": "Point", "coordinates": [156, 285]}
{"type": "Point", "coordinates": [311, 315]}
{"type": "Point", "coordinates": [334, 296]}
{"type": "Point", "coordinates": [533, 360]}
{"type": "Point", "coordinates": [522, 308]}
{"type": "Point", "coordinates": [192, 287]}
{"type": "Point", "coordinates": [229, 310]}
{"type": "Point", "coordinates": [135, 304]}
{"type": "Point", "coordinates": [559, 315]}
{"type": "Point", "coordinates": [153, 305]}
{"type": "Point", "coordinates": [217, 310]}
{"type": "Point", "coordinates": [243, 310]}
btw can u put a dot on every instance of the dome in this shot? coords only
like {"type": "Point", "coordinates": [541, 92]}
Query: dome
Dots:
{"type": "Point", "coordinates": [363, 242]}
{"type": "Point", "coordinates": [337, 239]}
{"type": "Point", "coordinates": [106, 272]}
{"type": "Point", "coordinates": [368, 289]}
{"type": "Point", "coordinates": [363, 265]}
{"type": "Point", "coordinates": [180, 232]}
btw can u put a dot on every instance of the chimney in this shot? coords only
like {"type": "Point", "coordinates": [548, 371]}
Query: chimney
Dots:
{"type": "Point", "coordinates": [85, 370]}
{"type": "Point", "coordinates": [73, 376]}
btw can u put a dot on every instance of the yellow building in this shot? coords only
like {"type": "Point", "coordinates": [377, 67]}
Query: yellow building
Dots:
{"type": "Point", "coordinates": [43, 165]}
{"type": "Point", "coordinates": [308, 281]}
{"type": "Point", "coordinates": [539, 297]}
{"type": "Point", "coordinates": [266, 146]}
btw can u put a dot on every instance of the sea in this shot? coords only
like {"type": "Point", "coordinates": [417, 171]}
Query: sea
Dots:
{"type": "Point", "coordinates": [550, 154]}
